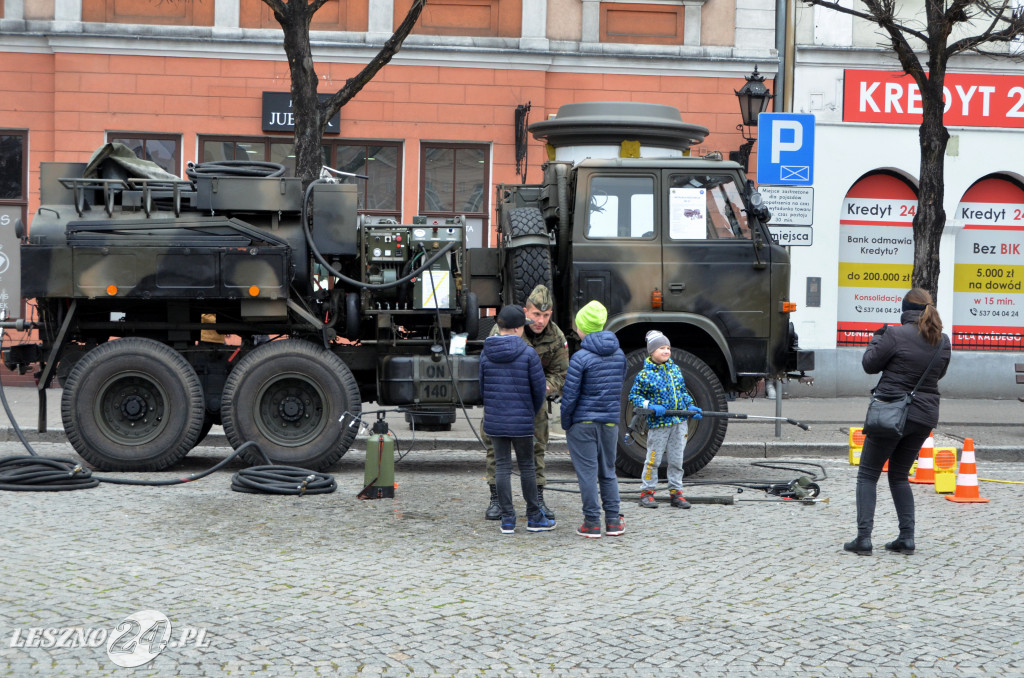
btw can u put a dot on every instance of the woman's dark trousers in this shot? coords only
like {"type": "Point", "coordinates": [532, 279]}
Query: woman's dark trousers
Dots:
{"type": "Point", "coordinates": [900, 452]}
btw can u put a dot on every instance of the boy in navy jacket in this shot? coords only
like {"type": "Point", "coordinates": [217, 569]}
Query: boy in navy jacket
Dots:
{"type": "Point", "coordinates": [513, 387]}
{"type": "Point", "coordinates": [590, 417]}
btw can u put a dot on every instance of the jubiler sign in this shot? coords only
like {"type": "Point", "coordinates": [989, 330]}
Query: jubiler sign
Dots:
{"type": "Point", "coordinates": [278, 115]}
{"type": "Point", "coordinates": [971, 99]}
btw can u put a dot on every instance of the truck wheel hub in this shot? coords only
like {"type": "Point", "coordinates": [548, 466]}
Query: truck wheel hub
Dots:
{"type": "Point", "coordinates": [291, 409]}
{"type": "Point", "coordinates": [133, 407]}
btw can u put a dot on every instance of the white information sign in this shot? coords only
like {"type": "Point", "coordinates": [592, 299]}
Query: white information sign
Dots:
{"type": "Point", "coordinates": [687, 213]}
{"type": "Point", "coordinates": [790, 205]}
{"type": "Point", "coordinates": [792, 235]}
{"type": "Point", "coordinates": [435, 289]}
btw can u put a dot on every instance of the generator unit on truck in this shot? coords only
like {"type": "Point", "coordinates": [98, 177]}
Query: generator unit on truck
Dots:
{"type": "Point", "coordinates": [165, 306]}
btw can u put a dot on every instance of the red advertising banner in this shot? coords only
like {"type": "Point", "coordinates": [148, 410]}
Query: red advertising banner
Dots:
{"type": "Point", "coordinates": [972, 99]}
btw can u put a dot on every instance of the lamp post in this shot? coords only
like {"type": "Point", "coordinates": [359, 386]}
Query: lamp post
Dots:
{"type": "Point", "coordinates": [754, 98]}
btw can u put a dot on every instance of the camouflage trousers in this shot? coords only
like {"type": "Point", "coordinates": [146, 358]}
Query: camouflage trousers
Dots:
{"type": "Point", "coordinates": [540, 445]}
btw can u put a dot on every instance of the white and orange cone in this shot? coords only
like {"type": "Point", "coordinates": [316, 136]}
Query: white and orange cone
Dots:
{"type": "Point", "coordinates": [967, 479]}
{"type": "Point", "coordinates": [925, 474]}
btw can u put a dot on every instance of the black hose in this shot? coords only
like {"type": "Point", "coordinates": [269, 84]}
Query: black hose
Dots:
{"type": "Point", "coordinates": [42, 474]}
{"type": "Point", "coordinates": [235, 168]}
{"type": "Point", "coordinates": [351, 281]}
{"type": "Point", "coordinates": [273, 479]}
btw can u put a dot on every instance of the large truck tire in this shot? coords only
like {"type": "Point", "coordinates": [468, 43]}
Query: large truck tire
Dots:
{"type": "Point", "coordinates": [290, 398]}
{"type": "Point", "coordinates": [529, 265]}
{"type": "Point", "coordinates": [132, 404]}
{"type": "Point", "coordinates": [705, 436]}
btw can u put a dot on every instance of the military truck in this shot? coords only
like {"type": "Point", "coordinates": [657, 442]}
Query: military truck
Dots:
{"type": "Point", "coordinates": [166, 306]}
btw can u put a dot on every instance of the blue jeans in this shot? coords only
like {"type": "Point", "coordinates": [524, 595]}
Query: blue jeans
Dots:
{"type": "Point", "coordinates": [592, 449]}
{"type": "Point", "coordinates": [503, 474]}
{"type": "Point", "coordinates": [900, 452]}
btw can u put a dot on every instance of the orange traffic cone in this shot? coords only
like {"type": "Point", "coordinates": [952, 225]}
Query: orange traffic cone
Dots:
{"type": "Point", "coordinates": [967, 478]}
{"type": "Point", "coordinates": [925, 466]}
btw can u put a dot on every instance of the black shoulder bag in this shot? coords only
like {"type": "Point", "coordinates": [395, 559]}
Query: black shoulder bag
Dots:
{"type": "Point", "coordinates": [887, 417]}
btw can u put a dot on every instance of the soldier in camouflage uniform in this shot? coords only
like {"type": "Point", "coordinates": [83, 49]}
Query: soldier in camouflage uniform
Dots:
{"type": "Point", "coordinates": [549, 342]}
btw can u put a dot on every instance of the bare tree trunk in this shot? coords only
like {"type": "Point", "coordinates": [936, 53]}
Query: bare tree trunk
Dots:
{"type": "Point", "coordinates": [930, 220]}
{"type": "Point", "coordinates": [311, 115]}
{"type": "Point", "coordinates": [309, 123]}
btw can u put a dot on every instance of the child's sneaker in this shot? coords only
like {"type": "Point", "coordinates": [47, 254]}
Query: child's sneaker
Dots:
{"type": "Point", "coordinates": [508, 525]}
{"type": "Point", "coordinates": [615, 526]}
{"type": "Point", "coordinates": [590, 529]}
{"type": "Point", "coordinates": [647, 499]}
{"type": "Point", "coordinates": [539, 523]}
{"type": "Point", "coordinates": [679, 501]}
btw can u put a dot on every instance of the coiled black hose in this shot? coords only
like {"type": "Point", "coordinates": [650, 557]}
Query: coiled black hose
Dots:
{"type": "Point", "coordinates": [235, 168]}
{"type": "Point", "coordinates": [272, 479]}
{"type": "Point", "coordinates": [42, 474]}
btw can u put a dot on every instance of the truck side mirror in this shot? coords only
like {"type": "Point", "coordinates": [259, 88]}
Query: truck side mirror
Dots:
{"type": "Point", "coordinates": [757, 206]}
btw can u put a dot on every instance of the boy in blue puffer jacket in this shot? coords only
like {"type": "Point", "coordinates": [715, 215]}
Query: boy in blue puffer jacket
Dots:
{"type": "Point", "coordinates": [660, 386]}
{"type": "Point", "coordinates": [513, 387]}
{"type": "Point", "coordinates": [590, 417]}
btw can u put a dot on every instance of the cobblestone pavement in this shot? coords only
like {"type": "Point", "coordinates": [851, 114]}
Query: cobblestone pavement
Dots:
{"type": "Point", "coordinates": [421, 585]}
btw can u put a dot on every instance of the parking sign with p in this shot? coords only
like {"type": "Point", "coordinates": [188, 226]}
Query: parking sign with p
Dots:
{"type": "Point", "coordinates": [786, 153]}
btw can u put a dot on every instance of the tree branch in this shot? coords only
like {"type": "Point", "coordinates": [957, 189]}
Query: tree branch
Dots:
{"type": "Point", "coordinates": [355, 84]}
{"type": "Point", "coordinates": [315, 5]}
{"type": "Point", "coordinates": [277, 6]}
{"type": "Point", "coordinates": [1013, 30]}
{"type": "Point", "coordinates": [865, 15]}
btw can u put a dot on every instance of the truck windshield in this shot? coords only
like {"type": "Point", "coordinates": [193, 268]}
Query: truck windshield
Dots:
{"type": "Point", "coordinates": [706, 207]}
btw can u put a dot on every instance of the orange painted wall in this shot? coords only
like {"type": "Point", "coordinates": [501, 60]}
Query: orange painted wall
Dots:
{"type": "Point", "coordinates": [69, 102]}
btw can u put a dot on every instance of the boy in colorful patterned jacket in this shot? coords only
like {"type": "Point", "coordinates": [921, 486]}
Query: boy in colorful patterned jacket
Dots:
{"type": "Point", "coordinates": [660, 386]}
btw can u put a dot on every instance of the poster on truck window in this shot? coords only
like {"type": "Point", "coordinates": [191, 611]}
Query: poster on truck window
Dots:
{"type": "Point", "coordinates": [988, 299]}
{"type": "Point", "coordinates": [876, 256]}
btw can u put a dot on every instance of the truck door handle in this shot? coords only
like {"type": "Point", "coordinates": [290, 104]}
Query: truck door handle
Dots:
{"type": "Point", "coordinates": [677, 288]}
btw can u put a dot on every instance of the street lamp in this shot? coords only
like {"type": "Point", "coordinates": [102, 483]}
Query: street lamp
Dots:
{"type": "Point", "coordinates": [754, 98]}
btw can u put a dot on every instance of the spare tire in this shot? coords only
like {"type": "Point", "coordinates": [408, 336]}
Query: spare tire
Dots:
{"type": "Point", "coordinates": [528, 265]}
{"type": "Point", "coordinates": [705, 436]}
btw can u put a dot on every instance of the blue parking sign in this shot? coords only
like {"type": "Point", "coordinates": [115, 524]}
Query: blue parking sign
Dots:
{"type": "Point", "coordinates": [785, 156]}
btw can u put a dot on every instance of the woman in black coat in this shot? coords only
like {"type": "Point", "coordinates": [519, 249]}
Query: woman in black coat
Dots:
{"type": "Point", "coordinates": [901, 354]}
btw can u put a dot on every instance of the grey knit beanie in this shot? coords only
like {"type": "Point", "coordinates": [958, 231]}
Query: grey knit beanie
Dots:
{"type": "Point", "coordinates": [655, 340]}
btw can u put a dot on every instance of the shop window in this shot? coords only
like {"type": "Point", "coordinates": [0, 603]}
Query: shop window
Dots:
{"type": "Point", "coordinates": [163, 149]}
{"type": "Point", "coordinates": [621, 207]}
{"type": "Point", "coordinates": [13, 175]}
{"type": "Point", "coordinates": [382, 163]}
{"type": "Point", "coordinates": [146, 12]}
{"type": "Point", "coordinates": [454, 179]}
{"type": "Point", "coordinates": [478, 18]}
